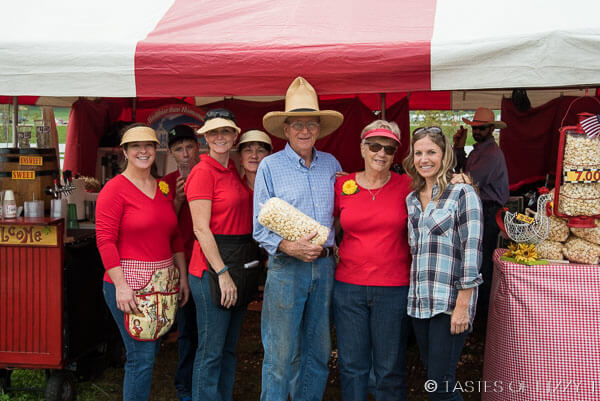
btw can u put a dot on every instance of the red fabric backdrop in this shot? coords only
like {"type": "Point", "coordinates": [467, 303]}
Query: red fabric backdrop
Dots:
{"type": "Point", "coordinates": [90, 120]}
{"type": "Point", "coordinates": [399, 112]}
{"type": "Point", "coordinates": [530, 141]}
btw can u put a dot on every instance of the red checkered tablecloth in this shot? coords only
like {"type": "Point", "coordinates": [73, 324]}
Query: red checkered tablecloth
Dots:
{"type": "Point", "coordinates": [543, 333]}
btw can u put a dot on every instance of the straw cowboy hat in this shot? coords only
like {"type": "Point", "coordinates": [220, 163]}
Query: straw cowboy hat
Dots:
{"type": "Point", "coordinates": [301, 101]}
{"type": "Point", "coordinates": [484, 116]}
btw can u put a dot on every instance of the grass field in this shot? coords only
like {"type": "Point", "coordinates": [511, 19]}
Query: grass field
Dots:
{"type": "Point", "coordinates": [28, 115]}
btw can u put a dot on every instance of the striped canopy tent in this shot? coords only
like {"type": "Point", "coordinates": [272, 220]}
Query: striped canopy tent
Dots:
{"type": "Point", "coordinates": [215, 49]}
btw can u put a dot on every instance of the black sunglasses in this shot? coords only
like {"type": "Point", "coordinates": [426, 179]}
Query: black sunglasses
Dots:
{"type": "Point", "coordinates": [480, 127]}
{"type": "Point", "coordinates": [376, 147]}
{"type": "Point", "coordinates": [433, 129]}
{"type": "Point", "coordinates": [219, 113]}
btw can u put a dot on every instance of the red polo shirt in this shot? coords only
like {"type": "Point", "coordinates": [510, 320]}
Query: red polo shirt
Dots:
{"type": "Point", "coordinates": [374, 250]}
{"type": "Point", "coordinates": [231, 212]}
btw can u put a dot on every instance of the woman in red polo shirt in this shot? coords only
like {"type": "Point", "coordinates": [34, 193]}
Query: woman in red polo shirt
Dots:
{"type": "Point", "coordinates": [138, 240]}
{"type": "Point", "coordinates": [221, 208]}
{"type": "Point", "coordinates": [371, 279]}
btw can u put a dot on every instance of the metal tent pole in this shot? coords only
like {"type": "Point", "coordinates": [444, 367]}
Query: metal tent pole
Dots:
{"type": "Point", "coordinates": [15, 120]}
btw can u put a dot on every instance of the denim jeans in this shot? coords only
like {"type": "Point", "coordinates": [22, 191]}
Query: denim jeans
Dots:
{"type": "Point", "coordinates": [218, 335]}
{"type": "Point", "coordinates": [140, 354]}
{"type": "Point", "coordinates": [187, 342]}
{"type": "Point", "coordinates": [371, 328]}
{"type": "Point", "coordinates": [440, 352]}
{"type": "Point", "coordinates": [295, 328]}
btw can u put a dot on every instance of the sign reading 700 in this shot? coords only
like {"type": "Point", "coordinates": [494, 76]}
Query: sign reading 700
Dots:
{"type": "Point", "coordinates": [582, 175]}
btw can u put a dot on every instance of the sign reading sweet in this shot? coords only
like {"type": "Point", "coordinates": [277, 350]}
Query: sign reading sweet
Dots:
{"type": "Point", "coordinates": [31, 160]}
{"type": "Point", "coordinates": [582, 175]}
{"type": "Point", "coordinates": [28, 235]}
{"type": "Point", "coordinates": [22, 175]}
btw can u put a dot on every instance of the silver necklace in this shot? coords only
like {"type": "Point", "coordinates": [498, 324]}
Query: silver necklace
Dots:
{"type": "Point", "coordinates": [373, 195]}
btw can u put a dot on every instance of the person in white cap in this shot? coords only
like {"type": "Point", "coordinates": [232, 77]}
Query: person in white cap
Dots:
{"type": "Point", "coordinates": [487, 167]}
{"type": "Point", "coordinates": [297, 296]}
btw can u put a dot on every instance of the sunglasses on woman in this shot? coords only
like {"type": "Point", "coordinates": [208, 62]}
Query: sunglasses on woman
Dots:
{"type": "Point", "coordinates": [376, 147]}
{"type": "Point", "coordinates": [433, 129]}
{"type": "Point", "coordinates": [219, 113]}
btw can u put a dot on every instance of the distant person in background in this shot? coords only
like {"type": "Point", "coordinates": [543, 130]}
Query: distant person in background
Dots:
{"type": "Point", "coordinates": [141, 248]}
{"type": "Point", "coordinates": [371, 278]}
{"type": "Point", "coordinates": [254, 145]}
{"type": "Point", "coordinates": [487, 167]}
{"type": "Point", "coordinates": [444, 232]}
{"type": "Point", "coordinates": [183, 146]}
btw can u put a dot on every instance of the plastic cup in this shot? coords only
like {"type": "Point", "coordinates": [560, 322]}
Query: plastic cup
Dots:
{"type": "Point", "coordinates": [34, 208]}
{"type": "Point", "coordinates": [184, 169]}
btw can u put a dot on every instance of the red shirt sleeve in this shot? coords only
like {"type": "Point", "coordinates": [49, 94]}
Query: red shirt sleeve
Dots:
{"type": "Point", "coordinates": [109, 211]}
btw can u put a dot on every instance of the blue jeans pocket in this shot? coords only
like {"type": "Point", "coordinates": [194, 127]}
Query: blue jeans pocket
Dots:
{"type": "Point", "coordinates": [279, 287]}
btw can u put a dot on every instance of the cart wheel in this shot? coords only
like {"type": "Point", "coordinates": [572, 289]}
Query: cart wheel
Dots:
{"type": "Point", "coordinates": [60, 386]}
{"type": "Point", "coordinates": [4, 379]}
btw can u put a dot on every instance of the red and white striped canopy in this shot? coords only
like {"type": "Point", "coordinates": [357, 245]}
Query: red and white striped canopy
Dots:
{"type": "Point", "coordinates": [148, 48]}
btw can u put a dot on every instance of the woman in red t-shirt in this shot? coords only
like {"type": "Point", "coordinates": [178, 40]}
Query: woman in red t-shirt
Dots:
{"type": "Point", "coordinates": [221, 208]}
{"type": "Point", "coordinates": [371, 279]}
{"type": "Point", "coordinates": [142, 252]}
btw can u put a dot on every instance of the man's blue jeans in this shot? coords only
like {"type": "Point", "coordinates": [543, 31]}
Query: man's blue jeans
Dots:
{"type": "Point", "coordinates": [296, 328]}
{"type": "Point", "coordinates": [140, 354]}
{"type": "Point", "coordinates": [440, 352]}
{"type": "Point", "coordinates": [371, 327]}
{"type": "Point", "coordinates": [187, 342]}
{"type": "Point", "coordinates": [218, 335]}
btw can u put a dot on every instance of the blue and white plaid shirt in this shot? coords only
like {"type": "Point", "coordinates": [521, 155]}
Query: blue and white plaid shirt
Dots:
{"type": "Point", "coordinates": [309, 189]}
{"type": "Point", "coordinates": [445, 243]}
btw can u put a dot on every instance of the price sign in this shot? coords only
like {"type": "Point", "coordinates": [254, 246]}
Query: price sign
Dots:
{"type": "Point", "coordinates": [582, 175]}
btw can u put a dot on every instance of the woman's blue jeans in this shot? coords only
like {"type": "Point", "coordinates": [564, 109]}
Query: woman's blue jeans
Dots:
{"type": "Point", "coordinates": [218, 335]}
{"type": "Point", "coordinates": [440, 352]}
{"type": "Point", "coordinates": [371, 328]}
{"type": "Point", "coordinates": [140, 354]}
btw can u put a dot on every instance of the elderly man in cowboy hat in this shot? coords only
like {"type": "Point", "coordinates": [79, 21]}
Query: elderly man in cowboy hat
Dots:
{"type": "Point", "coordinates": [487, 167]}
{"type": "Point", "coordinates": [297, 296]}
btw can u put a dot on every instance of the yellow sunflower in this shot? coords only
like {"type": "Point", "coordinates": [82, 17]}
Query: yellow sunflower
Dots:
{"type": "Point", "coordinates": [349, 187]}
{"type": "Point", "coordinates": [164, 187]}
{"type": "Point", "coordinates": [526, 253]}
{"type": "Point", "coordinates": [512, 249]}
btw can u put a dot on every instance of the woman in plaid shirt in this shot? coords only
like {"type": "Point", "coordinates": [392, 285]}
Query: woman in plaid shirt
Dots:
{"type": "Point", "coordinates": [444, 233]}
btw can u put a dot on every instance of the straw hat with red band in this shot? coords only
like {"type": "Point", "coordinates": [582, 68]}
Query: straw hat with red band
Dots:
{"type": "Point", "coordinates": [484, 116]}
{"type": "Point", "coordinates": [139, 134]}
{"type": "Point", "coordinates": [386, 133]}
{"type": "Point", "coordinates": [301, 101]}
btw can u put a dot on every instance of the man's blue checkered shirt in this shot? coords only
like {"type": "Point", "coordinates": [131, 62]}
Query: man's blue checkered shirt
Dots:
{"type": "Point", "coordinates": [310, 189]}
